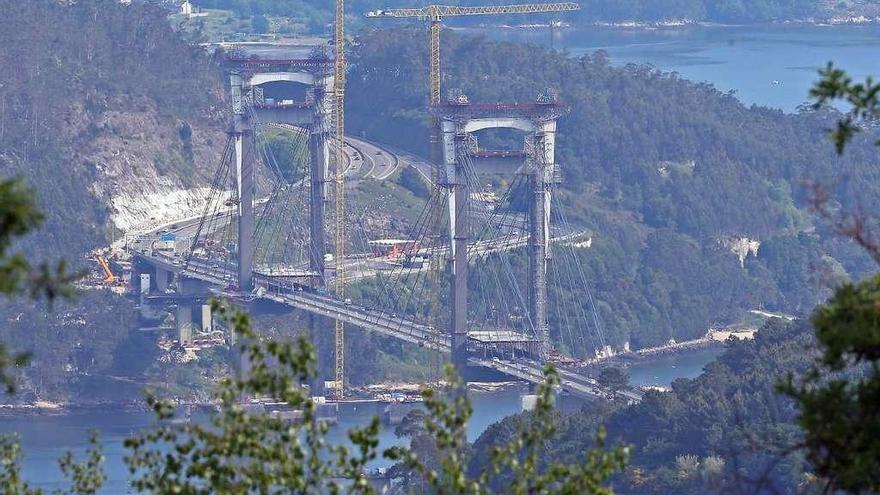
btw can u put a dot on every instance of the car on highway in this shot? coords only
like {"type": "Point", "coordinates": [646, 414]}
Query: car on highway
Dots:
{"type": "Point", "coordinates": [394, 315]}
{"type": "Point", "coordinates": [379, 152]}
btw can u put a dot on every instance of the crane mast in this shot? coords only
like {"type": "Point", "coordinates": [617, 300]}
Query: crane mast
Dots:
{"type": "Point", "coordinates": [339, 74]}
{"type": "Point", "coordinates": [435, 14]}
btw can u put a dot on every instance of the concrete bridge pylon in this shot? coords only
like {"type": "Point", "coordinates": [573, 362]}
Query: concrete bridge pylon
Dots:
{"type": "Point", "coordinates": [459, 120]}
{"type": "Point", "coordinates": [247, 77]}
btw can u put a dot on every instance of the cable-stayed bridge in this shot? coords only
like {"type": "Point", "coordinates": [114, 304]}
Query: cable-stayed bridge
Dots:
{"type": "Point", "coordinates": [487, 270]}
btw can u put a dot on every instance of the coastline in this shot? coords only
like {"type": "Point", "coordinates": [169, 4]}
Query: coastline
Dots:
{"type": "Point", "coordinates": [46, 408]}
{"type": "Point", "coordinates": [672, 24]}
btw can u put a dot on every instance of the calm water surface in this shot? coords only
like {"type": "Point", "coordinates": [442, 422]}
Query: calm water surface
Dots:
{"type": "Point", "coordinates": [45, 438]}
{"type": "Point", "coordinates": [772, 66]}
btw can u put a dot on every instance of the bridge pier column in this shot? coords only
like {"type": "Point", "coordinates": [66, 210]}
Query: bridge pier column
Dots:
{"type": "Point", "coordinates": [319, 170]}
{"type": "Point", "coordinates": [144, 289]}
{"type": "Point", "coordinates": [458, 195]}
{"type": "Point", "coordinates": [242, 134]}
{"type": "Point", "coordinates": [541, 181]}
{"type": "Point", "coordinates": [184, 324]}
{"type": "Point", "coordinates": [163, 279]}
{"type": "Point", "coordinates": [207, 319]}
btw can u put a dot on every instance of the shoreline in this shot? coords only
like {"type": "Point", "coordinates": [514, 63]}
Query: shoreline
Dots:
{"type": "Point", "coordinates": [672, 24]}
{"type": "Point", "coordinates": [45, 408]}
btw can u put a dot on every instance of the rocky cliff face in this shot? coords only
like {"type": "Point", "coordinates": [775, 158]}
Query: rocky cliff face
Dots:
{"type": "Point", "coordinates": [152, 169]}
{"type": "Point", "coordinates": [110, 116]}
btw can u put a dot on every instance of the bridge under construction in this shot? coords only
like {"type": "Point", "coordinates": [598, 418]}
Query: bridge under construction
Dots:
{"type": "Point", "coordinates": [514, 280]}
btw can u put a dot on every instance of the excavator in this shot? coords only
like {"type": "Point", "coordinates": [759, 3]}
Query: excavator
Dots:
{"type": "Point", "coordinates": [109, 277]}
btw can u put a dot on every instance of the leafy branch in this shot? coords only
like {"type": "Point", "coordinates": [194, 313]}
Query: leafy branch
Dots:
{"type": "Point", "coordinates": [863, 98]}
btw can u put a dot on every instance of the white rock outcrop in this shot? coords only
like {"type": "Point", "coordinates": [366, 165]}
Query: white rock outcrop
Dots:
{"type": "Point", "coordinates": [742, 247]}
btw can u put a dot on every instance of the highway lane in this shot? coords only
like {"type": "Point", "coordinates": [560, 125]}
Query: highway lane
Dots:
{"type": "Point", "coordinates": [378, 162]}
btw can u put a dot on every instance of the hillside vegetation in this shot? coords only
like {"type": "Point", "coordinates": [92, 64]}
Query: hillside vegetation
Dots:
{"type": "Point", "coordinates": [110, 118]}
{"type": "Point", "coordinates": [667, 174]}
{"type": "Point", "coordinates": [727, 431]}
{"type": "Point", "coordinates": [93, 110]}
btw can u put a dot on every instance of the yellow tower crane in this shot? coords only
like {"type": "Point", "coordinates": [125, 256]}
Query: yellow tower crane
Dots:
{"type": "Point", "coordinates": [339, 75]}
{"type": "Point", "coordinates": [436, 13]}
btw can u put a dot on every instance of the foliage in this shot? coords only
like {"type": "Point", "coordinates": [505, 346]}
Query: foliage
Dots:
{"type": "Point", "coordinates": [863, 99]}
{"type": "Point", "coordinates": [85, 477]}
{"type": "Point", "coordinates": [614, 378]}
{"type": "Point", "coordinates": [18, 217]}
{"type": "Point", "coordinates": [412, 179]}
{"type": "Point", "coordinates": [288, 151]}
{"type": "Point", "coordinates": [445, 467]}
{"type": "Point", "coordinates": [729, 425]}
{"type": "Point", "coordinates": [89, 350]}
{"type": "Point", "coordinates": [839, 398]}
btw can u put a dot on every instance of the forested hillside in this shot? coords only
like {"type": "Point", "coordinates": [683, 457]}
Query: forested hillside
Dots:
{"type": "Point", "coordinates": [114, 122]}
{"type": "Point", "coordinates": [102, 101]}
{"type": "Point", "coordinates": [665, 172]}
{"type": "Point", "coordinates": [727, 431]}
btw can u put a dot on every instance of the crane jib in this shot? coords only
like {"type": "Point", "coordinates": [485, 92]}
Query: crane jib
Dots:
{"type": "Point", "coordinates": [434, 12]}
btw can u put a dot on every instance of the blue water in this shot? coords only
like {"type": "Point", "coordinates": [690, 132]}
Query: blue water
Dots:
{"type": "Point", "coordinates": [663, 370]}
{"type": "Point", "coordinates": [45, 438]}
{"type": "Point", "coordinates": [743, 59]}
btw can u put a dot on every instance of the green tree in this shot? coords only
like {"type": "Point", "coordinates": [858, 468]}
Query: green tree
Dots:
{"type": "Point", "coordinates": [613, 378]}
{"type": "Point", "coordinates": [241, 451]}
{"type": "Point", "coordinates": [515, 467]}
{"type": "Point", "coordinates": [839, 398]}
{"type": "Point", "coordinates": [18, 217]}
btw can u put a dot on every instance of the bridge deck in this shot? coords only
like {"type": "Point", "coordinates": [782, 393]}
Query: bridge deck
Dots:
{"type": "Point", "coordinates": [395, 326]}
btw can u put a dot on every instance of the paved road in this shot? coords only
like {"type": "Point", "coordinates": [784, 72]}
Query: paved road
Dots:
{"type": "Point", "coordinates": [377, 162]}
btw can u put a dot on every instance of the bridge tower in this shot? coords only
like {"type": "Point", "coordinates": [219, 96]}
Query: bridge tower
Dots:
{"type": "Point", "coordinates": [311, 111]}
{"type": "Point", "coordinates": [459, 120]}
